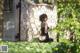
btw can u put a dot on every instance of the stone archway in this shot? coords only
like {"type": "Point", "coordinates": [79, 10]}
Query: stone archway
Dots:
{"type": "Point", "coordinates": [30, 24]}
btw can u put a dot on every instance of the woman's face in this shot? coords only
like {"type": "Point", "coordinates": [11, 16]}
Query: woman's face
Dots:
{"type": "Point", "coordinates": [45, 19]}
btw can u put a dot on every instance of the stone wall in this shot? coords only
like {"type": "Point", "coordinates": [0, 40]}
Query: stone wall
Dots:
{"type": "Point", "coordinates": [11, 21]}
{"type": "Point", "coordinates": [1, 17]}
{"type": "Point", "coordinates": [30, 23]}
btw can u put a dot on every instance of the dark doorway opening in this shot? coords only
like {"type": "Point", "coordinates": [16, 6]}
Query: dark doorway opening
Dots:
{"type": "Point", "coordinates": [19, 7]}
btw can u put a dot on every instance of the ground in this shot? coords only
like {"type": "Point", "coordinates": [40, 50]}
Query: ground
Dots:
{"type": "Point", "coordinates": [37, 47]}
{"type": "Point", "coordinates": [29, 47]}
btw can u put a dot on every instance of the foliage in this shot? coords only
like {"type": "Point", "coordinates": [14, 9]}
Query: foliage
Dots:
{"type": "Point", "coordinates": [37, 47]}
{"type": "Point", "coordinates": [30, 47]}
{"type": "Point", "coordinates": [68, 17]}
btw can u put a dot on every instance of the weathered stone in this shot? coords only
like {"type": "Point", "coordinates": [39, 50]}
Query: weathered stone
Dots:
{"type": "Point", "coordinates": [30, 23]}
{"type": "Point", "coordinates": [1, 17]}
{"type": "Point", "coordinates": [11, 22]}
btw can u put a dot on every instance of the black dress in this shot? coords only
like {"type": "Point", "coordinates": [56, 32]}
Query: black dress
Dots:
{"type": "Point", "coordinates": [44, 30]}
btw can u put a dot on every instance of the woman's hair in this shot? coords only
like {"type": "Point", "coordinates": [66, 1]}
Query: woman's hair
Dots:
{"type": "Point", "coordinates": [42, 17]}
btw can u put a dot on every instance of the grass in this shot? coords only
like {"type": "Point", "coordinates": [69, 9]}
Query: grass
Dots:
{"type": "Point", "coordinates": [29, 47]}
{"type": "Point", "coordinates": [37, 47]}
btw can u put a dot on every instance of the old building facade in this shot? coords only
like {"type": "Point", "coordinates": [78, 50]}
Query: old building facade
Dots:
{"type": "Point", "coordinates": [21, 18]}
